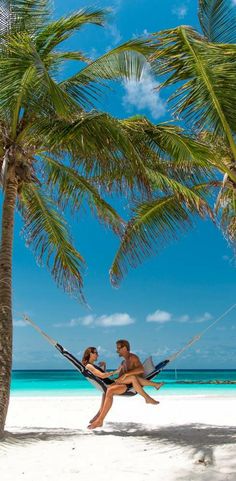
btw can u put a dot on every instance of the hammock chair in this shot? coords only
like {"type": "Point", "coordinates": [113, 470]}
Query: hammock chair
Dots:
{"type": "Point", "coordinates": [150, 370]}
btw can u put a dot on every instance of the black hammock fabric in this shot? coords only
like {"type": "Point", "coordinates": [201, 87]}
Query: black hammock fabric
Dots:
{"type": "Point", "coordinates": [103, 384]}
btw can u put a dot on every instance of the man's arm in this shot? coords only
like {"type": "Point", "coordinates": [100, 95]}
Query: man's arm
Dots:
{"type": "Point", "coordinates": [121, 369]}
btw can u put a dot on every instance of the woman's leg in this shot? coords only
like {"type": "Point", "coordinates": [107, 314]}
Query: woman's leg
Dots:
{"type": "Point", "coordinates": [114, 389]}
{"type": "Point", "coordinates": [100, 409]}
{"type": "Point", "coordinates": [137, 386]}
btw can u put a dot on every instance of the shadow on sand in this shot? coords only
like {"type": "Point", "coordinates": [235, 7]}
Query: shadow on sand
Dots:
{"type": "Point", "coordinates": [187, 435]}
{"type": "Point", "coordinates": [193, 436]}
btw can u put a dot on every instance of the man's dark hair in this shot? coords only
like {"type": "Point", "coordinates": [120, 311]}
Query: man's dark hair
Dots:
{"type": "Point", "coordinates": [123, 343]}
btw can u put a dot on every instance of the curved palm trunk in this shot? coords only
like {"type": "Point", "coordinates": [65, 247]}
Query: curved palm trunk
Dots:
{"type": "Point", "coordinates": [6, 296]}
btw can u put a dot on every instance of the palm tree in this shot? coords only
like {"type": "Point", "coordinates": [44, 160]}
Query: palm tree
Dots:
{"type": "Point", "coordinates": [58, 151]}
{"type": "Point", "coordinates": [52, 141]}
{"type": "Point", "coordinates": [202, 68]}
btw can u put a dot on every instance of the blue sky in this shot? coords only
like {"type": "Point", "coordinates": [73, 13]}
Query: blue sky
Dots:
{"type": "Point", "coordinates": [164, 302]}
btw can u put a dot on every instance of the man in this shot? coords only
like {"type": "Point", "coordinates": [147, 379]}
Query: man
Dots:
{"type": "Point", "coordinates": [131, 372]}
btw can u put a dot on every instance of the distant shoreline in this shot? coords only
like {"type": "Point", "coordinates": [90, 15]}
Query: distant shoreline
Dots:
{"type": "Point", "coordinates": [166, 370]}
{"type": "Point", "coordinates": [215, 381]}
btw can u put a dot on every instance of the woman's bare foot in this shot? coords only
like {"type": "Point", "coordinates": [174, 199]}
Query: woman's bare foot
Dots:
{"type": "Point", "coordinates": [152, 401]}
{"type": "Point", "coordinates": [94, 419]}
{"type": "Point", "coordinates": [95, 424]}
{"type": "Point", "coordinates": [159, 385]}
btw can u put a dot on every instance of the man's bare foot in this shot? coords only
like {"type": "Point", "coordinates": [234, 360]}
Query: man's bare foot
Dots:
{"type": "Point", "coordinates": [159, 385]}
{"type": "Point", "coordinates": [95, 424]}
{"type": "Point", "coordinates": [152, 401]}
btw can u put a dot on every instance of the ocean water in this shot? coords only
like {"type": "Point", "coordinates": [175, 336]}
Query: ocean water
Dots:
{"type": "Point", "coordinates": [72, 383]}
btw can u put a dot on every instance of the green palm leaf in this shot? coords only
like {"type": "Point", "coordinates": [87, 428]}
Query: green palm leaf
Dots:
{"type": "Point", "coordinates": [206, 72]}
{"type": "Point", "coordinates": [155, 223]}
{"type": "Point", "coordinates": [22, 72]}
{"type": "Point", "coordinates": [217, 19]}
{"type": "Point", "coordinates": [125, 61]}
{"type": "Point", "coordinates": [22, 15]}
{"type": "Point", "coordinates": [59, 30]}
{"type": "Point", "coordinates": [95, 139]}
{"type": "Point", "coordinates": [225, 207]}
{"type": "Point", "coordinates": [74, 189]}
{"type": "Point", "coordinates": [46, 233]}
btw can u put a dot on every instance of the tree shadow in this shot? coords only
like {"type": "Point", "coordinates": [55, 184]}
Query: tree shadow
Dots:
{"type": "Point", "coordinates": [26, 436]}
{"type": "Point", "coordinates": [187, 435]}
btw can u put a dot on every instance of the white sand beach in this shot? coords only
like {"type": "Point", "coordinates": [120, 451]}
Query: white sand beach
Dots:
{"type": "Point", "coordinates": [183, 438]}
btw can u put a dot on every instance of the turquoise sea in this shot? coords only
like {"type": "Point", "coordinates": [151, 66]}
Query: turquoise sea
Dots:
{"type": "Point", "coordinates": [72, 383]}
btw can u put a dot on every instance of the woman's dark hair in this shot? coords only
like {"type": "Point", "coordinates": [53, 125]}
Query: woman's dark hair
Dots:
{"type": "Point", "coordinates": [87, 353]}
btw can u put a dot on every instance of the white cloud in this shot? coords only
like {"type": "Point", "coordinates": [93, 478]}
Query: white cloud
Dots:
{"type": "Point", "coordinates": [159, 316]}
{"type": "Point", "coordinates": [184, 318]}
{"type": "Point", "coordinates": [19, 323]}
{"type": "Point", "coordinates": [114, 33]}
{"type": "Point", "coordinates": [142, 95]}
{"type": "Point", "coordinates": [163, 317]}
{"type": "Point", "coordinates": [116, 319]}
{"type": "Point", "coordinates": [180, 11]}
{"type": "Point", "coordinates": [162, 352]}
{"type": "Point", "coordinates": [205, 317]}
{"type": "Point", "coordinates": [144, 33]}
{"type": "Point", "coordinates": [116, 5]}
{"type": "Point", "coordinates": [93, 53]}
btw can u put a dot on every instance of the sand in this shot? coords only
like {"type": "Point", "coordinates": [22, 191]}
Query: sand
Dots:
{"type": "Point", "coordinates": [184, 438]}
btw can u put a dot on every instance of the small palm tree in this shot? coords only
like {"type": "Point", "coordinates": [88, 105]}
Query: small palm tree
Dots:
{"type": "Point", "coordinates": [52, 141]}
{"type": "Point", "coordinates": [203, 65]}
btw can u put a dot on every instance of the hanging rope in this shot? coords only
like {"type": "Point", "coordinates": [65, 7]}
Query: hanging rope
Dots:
{"type": "Point", "coordinates": [49, 339]}
{"type": "Point", "coordinates": [198, 336]}
{"type": "Point", "coordinates": [192, 341]}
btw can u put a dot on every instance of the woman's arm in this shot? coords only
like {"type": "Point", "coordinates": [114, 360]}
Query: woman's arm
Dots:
{"type": "Point", "coordinates": [102, 365]}
{"type": "Point", "coordinates": [101, 375]}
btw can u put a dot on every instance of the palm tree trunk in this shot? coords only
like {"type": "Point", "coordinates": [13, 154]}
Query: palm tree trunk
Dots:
{"type": "Point", "coordinates": [6, 295]}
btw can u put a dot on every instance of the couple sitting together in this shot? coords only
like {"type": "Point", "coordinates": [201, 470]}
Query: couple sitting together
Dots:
{"type": "Point", "coordinates": [130, 373]}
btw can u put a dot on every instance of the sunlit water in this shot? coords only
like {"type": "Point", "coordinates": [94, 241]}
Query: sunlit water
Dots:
{"type": "Point", "coordinates": [72, 383]}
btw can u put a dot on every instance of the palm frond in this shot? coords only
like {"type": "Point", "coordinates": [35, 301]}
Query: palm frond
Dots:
{"type": "Point", "coordinates": [207, 95]}
{"type": "Point", "coordinates": [56, 58]}
{"type": "Point", "coordinates": [94, 137]}
{"type": "Point", "coordinates": [225, 208]}
{"type": "Point", "coordinates": [73, 189]}
{"type": "Point", "coordinates": [20, 66]}
{"type": "Point", "coordinates": [123, 62]}
{"type": "Point", "coordinates": [46, 232]}
{"type": "Point", "coordinates": [155, 223]}
{"type": "Point", "coordinates": [172, 144]}
{"type": "Point", "coordinates": [59, 30]}
{"type": "Point", "coordinates": [218, 20]}
{"type": "Point", "coordinates": [24, 15]}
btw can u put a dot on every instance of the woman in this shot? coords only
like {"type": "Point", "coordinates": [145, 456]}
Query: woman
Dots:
{"type": "Point", "coordinates": [89, 357]}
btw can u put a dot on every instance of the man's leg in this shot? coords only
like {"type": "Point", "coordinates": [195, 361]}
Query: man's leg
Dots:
{"type": "Point", "coordinates": [146, 382]}
{"type": "Point", "coordinates": [96, 415]}
{"type": "Point", "coordinates": [115, 389]}
{"type": "Point", "coordinates": [137, 386]}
